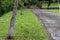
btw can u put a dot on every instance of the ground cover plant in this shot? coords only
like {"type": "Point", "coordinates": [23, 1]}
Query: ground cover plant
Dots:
{"type": "Point", "coordinates": [26, 27]}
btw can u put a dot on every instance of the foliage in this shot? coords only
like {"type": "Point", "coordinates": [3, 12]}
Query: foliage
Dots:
{"type": "Point", "coordinates": [7, 5]}
{"type": "Point", "coordinates": [26, 27]}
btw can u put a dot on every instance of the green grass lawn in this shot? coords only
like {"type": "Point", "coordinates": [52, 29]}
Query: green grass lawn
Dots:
{"type": "Point", "coordinates": [53, 5]}
{"type": "Point", "coordinates": [55, 11]}
{"type": "Point", "coordinates": [26, 27]}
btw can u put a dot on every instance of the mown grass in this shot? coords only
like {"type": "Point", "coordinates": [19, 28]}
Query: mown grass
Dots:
{"type": "Point", "coordinates": [53, 5]}
{"type": "Point", "coordinates": [57, 11]}
{"type": "Point", "coordinates": [26, 27]}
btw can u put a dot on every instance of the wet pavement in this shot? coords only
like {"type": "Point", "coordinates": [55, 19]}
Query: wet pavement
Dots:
{"type": "Point", "coordinates": [51, 22]}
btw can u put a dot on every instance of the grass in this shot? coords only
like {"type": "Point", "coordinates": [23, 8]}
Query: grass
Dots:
{"type": "Point", "coordinates": [55, 11]}
{"type": "Point", "coordinates": [26, 27]}
{"type": "Point", "coordinates": [53, 5]}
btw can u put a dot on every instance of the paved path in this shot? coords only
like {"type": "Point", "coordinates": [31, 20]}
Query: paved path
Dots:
{"type": "Point", "coordinates": [51, 22]}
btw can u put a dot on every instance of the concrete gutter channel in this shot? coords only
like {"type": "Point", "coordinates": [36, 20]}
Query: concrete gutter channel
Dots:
{"type": "Point", "coordinates": [50, 21]}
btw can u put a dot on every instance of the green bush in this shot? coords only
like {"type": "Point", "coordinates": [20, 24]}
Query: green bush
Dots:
{"type": "Point", "coordinates": [6, 6]}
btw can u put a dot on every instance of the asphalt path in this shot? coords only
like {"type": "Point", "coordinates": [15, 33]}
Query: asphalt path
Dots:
{"type": "Point", "coordinates": [51, 22]}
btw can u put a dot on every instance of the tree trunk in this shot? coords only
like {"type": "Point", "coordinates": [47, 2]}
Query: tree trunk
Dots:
{"type": "Point", "coordinates": [49, 3]}
{"type": "Point", "coordinates": [10, 33]}
{"type": "Point", "coordinates": [22, 5]}
{"type": "Point", "coordinates": [58, 4]}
